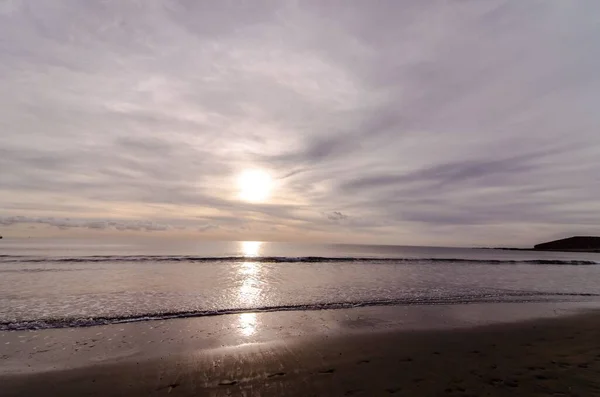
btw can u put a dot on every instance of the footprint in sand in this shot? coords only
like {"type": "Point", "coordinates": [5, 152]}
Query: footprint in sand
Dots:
{"type": "Point", "coordinates": [495, 381]}
{"type": "Point", "coordinates": [352, 392]}
{"type": "Point", "coordinates": [505, 382]}
{"type": "Point", "coordinates": [327, 371]}
{"type": "Point", "coordinates": [227, 382]}
{"type": "Point", "coordinates": [169, 387]}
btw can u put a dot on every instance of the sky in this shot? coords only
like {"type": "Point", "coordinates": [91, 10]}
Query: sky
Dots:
{"type": "Point", "coordinates": [453, 123]}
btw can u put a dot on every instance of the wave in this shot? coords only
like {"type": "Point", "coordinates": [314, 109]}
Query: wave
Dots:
{"type": "Point", "coordinates": [78, 322]}
{"type": "Point", "coordinates": [280, 259]}
{"type": "Point", "coordinates": [39, 270]}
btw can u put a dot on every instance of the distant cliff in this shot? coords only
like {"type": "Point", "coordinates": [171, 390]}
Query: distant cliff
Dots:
{"type": "Point", "coordinates": [577, 243]}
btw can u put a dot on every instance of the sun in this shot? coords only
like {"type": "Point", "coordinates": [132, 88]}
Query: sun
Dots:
{"type": "Point", "coordinates": [251, 248]}
{"type": "Point", "coordinates": [254, 185]}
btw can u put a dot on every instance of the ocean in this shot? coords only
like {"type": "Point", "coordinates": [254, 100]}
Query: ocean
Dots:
{"type": "Point", "coordinates": [76, 283]}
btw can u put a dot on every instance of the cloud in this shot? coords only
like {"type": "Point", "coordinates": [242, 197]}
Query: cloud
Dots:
{"type": "Point", "coordinates": [336, 216]}
{"type": "Point", "coordinates": [412, 117]}
{"type": "Point", "coordinates": [67, 223]}
{"type": "Point", "coordinates": [205, 228]}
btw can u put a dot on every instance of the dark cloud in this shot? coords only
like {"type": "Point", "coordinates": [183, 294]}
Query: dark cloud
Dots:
{"type": "Point", "coordinates": [336, 216]}
{"type": "Point", "coordinates": [484, 171]}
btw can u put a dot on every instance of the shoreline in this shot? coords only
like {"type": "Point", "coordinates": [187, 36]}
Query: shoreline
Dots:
{"type": "Point", "coordinates": [54, 349]}
{"type": "Point", "coordinates": [559, 354]}
{"type": "Point", "coordinates": [477, 349]}
{"type": "Point", "coordinates": [76, 323]}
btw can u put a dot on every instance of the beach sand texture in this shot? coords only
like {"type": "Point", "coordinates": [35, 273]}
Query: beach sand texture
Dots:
{"type": "Point", "coordinates": [544, 357]}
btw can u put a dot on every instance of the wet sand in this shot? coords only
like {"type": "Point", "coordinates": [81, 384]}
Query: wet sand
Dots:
{"type": "Point", "coordinates": [555, 356]}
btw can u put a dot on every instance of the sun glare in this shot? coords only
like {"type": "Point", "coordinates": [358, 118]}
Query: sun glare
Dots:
{"type": "Point", "coordinates": [254, 185]}
{"type": "Point", "coordinates": [251, 248]}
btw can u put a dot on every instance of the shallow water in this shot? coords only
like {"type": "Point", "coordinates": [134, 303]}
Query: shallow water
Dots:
{"type": "Point", "coordinates": [77, 283]}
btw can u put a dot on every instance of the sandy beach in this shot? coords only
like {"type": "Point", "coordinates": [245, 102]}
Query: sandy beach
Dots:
{"type": "Point", "coordinates": [368, 351]}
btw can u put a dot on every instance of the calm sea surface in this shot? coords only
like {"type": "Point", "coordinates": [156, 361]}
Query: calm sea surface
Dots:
{"type": "Point", "coordinates": [69, 283]}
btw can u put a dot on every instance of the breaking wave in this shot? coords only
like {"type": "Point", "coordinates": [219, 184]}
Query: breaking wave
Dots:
{"type": "Point", "coordinates": [75, 322]}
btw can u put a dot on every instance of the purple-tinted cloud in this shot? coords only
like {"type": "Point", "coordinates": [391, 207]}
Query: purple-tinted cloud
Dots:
{"type": "Point", "coordinates": [400, 122]}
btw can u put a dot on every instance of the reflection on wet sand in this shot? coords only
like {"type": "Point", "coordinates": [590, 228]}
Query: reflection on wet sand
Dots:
{"type": "Point", "coordinates": [247, 324]}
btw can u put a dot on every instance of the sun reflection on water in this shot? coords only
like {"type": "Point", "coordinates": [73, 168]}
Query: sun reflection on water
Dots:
{"type": "Point", "coordinates": [249, 286]}
{"type": "Point", "coordinates": [249, 291]}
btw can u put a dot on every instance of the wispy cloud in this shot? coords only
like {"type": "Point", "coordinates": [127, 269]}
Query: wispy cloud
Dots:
{"type": "Point", "coordinates": [67, 223]}
{"type": "Point", "coordinates": [396, 121]}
